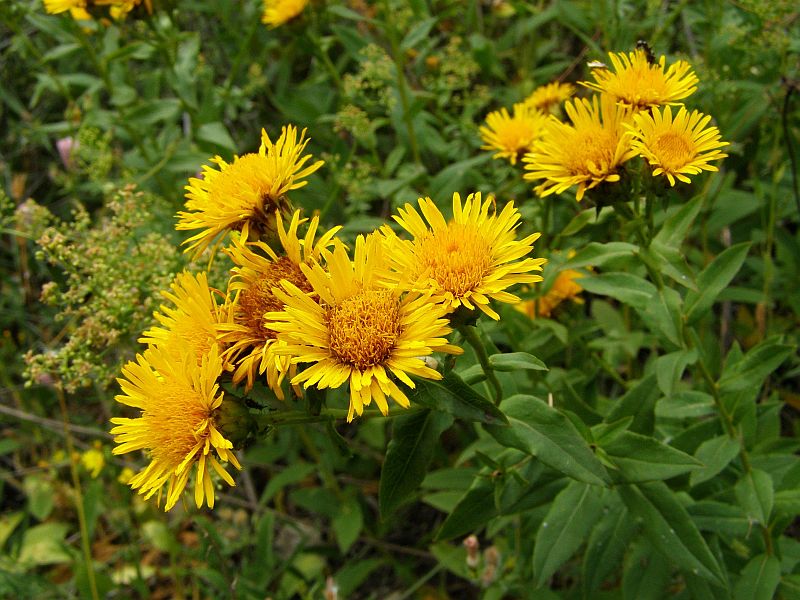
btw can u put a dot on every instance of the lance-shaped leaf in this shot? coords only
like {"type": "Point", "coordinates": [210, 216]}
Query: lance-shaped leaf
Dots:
{"type": "Point", "coordinates": [713, 279]}
{"type": "Point", "coordinates": [606, 546]}
{"type": "Point", "coordinates": [451, 395]}
{"type": "Point", "coordinates": [565, 527]}
{"type": "Point", "coordinates": [414, 438]}
{"type": "Point", "coordinates": [642, 458]}
{"type": "Point", "coordinates": [670, 529]}
{"type": "Point", "coordinates": [544, 432]}
{"type": "Point", "coordinates": [759, 579]}
{"type": "Point", "coordinates": [515, 361]}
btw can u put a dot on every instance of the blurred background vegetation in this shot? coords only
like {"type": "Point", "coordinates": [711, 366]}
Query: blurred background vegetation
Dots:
{"type": "Point", "coordinates": [103, 122]}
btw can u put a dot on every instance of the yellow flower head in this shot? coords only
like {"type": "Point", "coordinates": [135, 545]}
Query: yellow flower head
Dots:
{"type": "Point", "coordinates": [360, 332]}
{"type": "Point", "coordinates": [548, 96]}
{"type": "Point", "coordinates": [636, 83]}
{"type": "Point", "coordinates": [252, 343]}
{"type": "Point", "coordinates": [278, 12]}
{"type": "Point", "coordinates": [119, 9]}
{"type": "Point", "coordinates": [76, 8]}
{"type": "Point", "coordinates": [93, 460]}
{"type": "Point", "coordinates": [192, 320]}
{"type": "Point", "coordinates": [677, 147]}
{"type": "Point", "coordinates": [178, 400]}
{"type": "Point", "coordinates": [512, 136]}
{"type": "Point", "coordinates": [246, 193]}
{"type": "Point", "coordinates": [468, 260]}
{"type": "Point", "coordinates": [586, 153]}
{"type": "Point", "coordinates": [564, 288]}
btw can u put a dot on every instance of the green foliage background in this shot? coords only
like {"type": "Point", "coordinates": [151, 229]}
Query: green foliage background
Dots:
{"type": "Point", "coordinates": [646, 445]}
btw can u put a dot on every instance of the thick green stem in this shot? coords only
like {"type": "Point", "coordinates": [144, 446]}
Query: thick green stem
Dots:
{"type": "Point", "coordinates": [471, 336]}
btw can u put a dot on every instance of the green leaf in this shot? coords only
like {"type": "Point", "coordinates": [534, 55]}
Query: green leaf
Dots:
{"type": "Point", "coordinates": [678, 223]}
{"type": "Point", "coordinates": [452, 177]}
{"type": "Point", "coordinates": [646, 574]}
{"type": "Point", "coordinates": [755, 366]}
{"type": "Point", "coordinates": [628, 289]}
{"type": "Point", "coordinates": [8, 523]}
{"type": "Point", "coordinates": [514, 361]}
{"type": "Point", "coordinates": [759, 579]}
{"type": "Point", "coordinates": [44, 545]}
{"type": "Point", "coordinates": [151, 112]}
{"type": "Point", "coordinates": [595, 254]}
{"type": "Point", "coordinates": [347, 524]}
{"type": "Point", "coordinates": [685, 405]}
{"type": "Point", "coordinates": [638, 402]}
{"type": "Point", "coordinates": [787, 502]}
{"type": "Point", "coordinates": [572, 515]}
{"type": "Point", "coordinates": [414, 439]}
{"type": "Point", "coordinates": [715, 454]}
{"type": "Point", "coordinates": [720, 518]}
{"type": "Point", "coordinates": [590, 216]}
{"type": "Point", "coordinates": [418, 33]}
{"type": "Point", "coordinates": [292, 474]}
{"type": "Point", "coordinates": [670, 529]}
{"type": "Point", "coordinates": [216, 134]}
{"type": "Point", "coordinates": [606, 547]}
{"type": "Point", "coordinates": [670, 368]}
{"type": "Point", "coordinates": [451, 395]}
{"type": "Point", "coordinates": [755, 494]}
{"type": "Point", "coordinates": [473, 511]}
{"type": "Point", "coordinates": [643, 458]}
{"type": "Point", "coordinates": [544, 432]}
{"type": "Point", "coordinates": [713, 279]}
{"type": "Point", "coordinates": [347, 13]}
{"type": "Point", "coordinates": [41, 496]}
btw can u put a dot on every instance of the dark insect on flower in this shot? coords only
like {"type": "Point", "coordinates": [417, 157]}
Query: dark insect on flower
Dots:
{"type": "Point", "coordinates": [648, 52]}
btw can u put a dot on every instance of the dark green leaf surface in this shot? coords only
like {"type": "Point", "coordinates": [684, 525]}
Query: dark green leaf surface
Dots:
{"type": "Point", "coordinates": [544, 432]}
{"type": "Point", "coordinates": [414, 438]}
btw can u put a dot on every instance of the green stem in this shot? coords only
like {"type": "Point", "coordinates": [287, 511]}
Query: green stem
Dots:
{"type": "Point", "coordinates": [399, 64]}
{"type": "Point", "coordinates": [471, 337]}
{"type": "Point", "coordinates": [726, 418]}
{"type": "Point", "coordinates": [237, 61]}
{"type": "Point", "coordinates": [76, 484]}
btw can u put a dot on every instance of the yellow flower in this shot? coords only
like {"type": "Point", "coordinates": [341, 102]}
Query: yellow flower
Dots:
{"type": "Point", "coordinates": [278, 12]}
{"type": "Point", "coordinates": [76, 8]}
{"type": "Point", "coordinates": [178, 400]}
{"type": "Point", "coordinates": [512, 136]}
{"type": "Point", "coordinates": [548, 96]}
{"type": "Point", "coordinates": [677, 147]}
{"type": "Point", "coordinates": [468, 260]}
{"type": "Point", "coordinates": [246, 193]}
{"type": "Point", "coordinates": [585, 153]}
{"type": "Point", "coordinates": [252, 343]}
{"type": "Point", "coordinates": [638, 84]}
{"type": "Point", "coordinates": [119, 9]}
{"type": "Point", "coordinates": [93, 460]}
{"type": "Point", "coordinates": [126, 475]}
{"type": "Point", "coordinates": [191, 323]}
{"type": "Point", "coordinates": [360, 332]}
{"type": "Point", "coordinates": [564, 288]}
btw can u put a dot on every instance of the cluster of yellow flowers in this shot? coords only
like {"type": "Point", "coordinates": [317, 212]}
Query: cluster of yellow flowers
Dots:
{"type": "Point", "coordinates": [631, 116]}
{"type": "Point", "coordinates": [79, 9]}
{"type": "Point", "coordinates": [366, 320]}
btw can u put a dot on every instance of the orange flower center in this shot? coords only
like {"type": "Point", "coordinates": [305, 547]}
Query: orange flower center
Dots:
{"type": "Point", "coordinates": [672, 150]}
{"type": "Point", "coordinates": [175, 423]}
{"type": "Point", "coordinates": [364, 328]}
{"type": "Point", "coordinates": [457, 258]}
{"type": "Point", "coordinates": [591, 152]}
{"type": "Point", "coordinates": [259, 298]}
